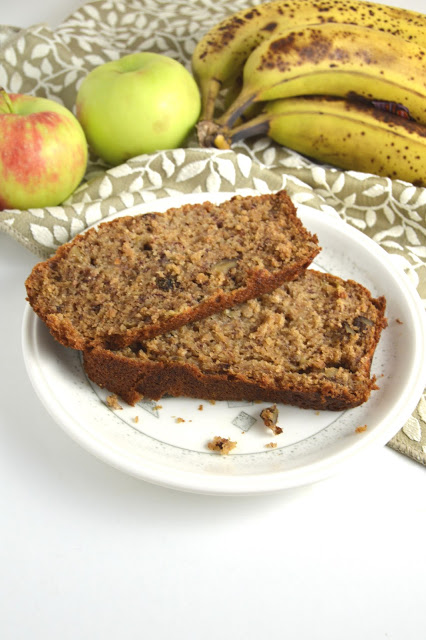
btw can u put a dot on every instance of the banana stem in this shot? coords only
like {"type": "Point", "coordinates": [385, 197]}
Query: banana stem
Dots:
{"type": "Point", "coordinates": [242, 102]}
{"type": "Point", "coordinates": [209, 93]}
{"type": "Point", "coordinates": [255, 127]}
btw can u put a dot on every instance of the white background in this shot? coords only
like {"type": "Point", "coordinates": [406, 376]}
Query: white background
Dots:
{"type": "Point", "coordinates": [88, 552]}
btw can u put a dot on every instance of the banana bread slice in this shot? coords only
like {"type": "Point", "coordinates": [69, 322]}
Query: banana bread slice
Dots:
{"type": "Point", "coordinates": [139, 276]}
{"type": "Point", "coordinates": [309, 343]}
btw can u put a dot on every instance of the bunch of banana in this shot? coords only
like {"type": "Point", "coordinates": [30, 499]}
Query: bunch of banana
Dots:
{"type": "Point", "coordinates": [321, 66]}
{"type": "Point", "coordinates": [219, 56]}
{"type": "Point", "coordinates": [336, 60]}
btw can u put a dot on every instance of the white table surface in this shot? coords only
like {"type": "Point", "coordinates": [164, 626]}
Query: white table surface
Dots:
{"type": "Point", "coordinates": [88, 552]}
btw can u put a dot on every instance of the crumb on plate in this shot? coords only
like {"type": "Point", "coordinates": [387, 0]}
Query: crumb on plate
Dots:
{"type": "Point", "coordinates": [270, 419]}
{"type": "Point", "coordinates": [361, 429]}
{"type": "Point", "coordinates": [222, 445]}
{"type": "Point", "coordinates": [112, 402]}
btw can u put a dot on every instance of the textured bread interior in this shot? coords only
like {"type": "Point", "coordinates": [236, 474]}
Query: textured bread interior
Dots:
{"type": "Point", "coordinates": [314, 335]}
{"type": "Point", "coordinates": [139, 276]}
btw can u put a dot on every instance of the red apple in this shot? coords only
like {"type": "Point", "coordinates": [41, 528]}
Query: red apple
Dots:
{"type": "Point", "coordinates": [43, 152]}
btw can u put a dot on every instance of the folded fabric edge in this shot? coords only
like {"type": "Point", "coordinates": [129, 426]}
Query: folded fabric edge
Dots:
{"type": "Point", "coordinates": [408, 450]}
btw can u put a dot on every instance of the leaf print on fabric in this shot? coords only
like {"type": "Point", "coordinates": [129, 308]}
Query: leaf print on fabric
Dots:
{"type": "Point", "coordinates": [120, 171]}
{"type": "Point", "coordinates": [60, 234]}
{"type": "Point", "coordinates": [261, 185]}
{"type": "Point", "coordinates": [191, 170]}
{"type": "Point", "coordinates": [91, 11]}
{"type": "Point", "coordinates": [40, 51]}
{"type": "Point", "coordinates": [339, 183]}
{"type": "Point", "coordinates": [302, 197]}
{"type": "Point", "coordinates": [93, 213]}
{"type": "Point", "coordinates": [4, 78]}
{"type": "Point", "coordinates": [178, 156]}
{"type": "Point", "coordinates": [269, 156]}
{"type": "Point", "coordinates": [10, 56]}
{"type": "Point", "coordinates": [226, 169]}
{"type": "Point", "coordinates": [319, 175]}
{"type": "Point", "coordinates": [389, 213]}
{"type": "Point", "coordinates": [374, 190]}
{"type": "Point", "coordinates": [105, 188]}
{"type": "Point", "coordinates": [127, 199]}
{"type": "Point", "coordinates": [422, 408]}
{"type": "Point", "coordinates": [58, 213]}
{"type": "Point", "coordinates": [167, 166]}
{"type": "Point", "coordinates": [213, 182]}
{"type": "Point", "coordinates": [412, 236]}
{"type": "Point", "coordinates": [42, 235]}
{"type": "Point", "coordinates": [244, 164]}
{"type": "Point", "coordinates": [137, 184]}
{"type": "Point", "coordinates": [407, 195]}
{"type": "Point", "coordinates": [154, 177]}
{"type": "Point", "coordinates": [15, 83]}
{"type": "Point", "coordinates": [77, 226]}
{"type": "Point", "coordinates": [370, 218]}
{"type": "Point", "coordinates": [412, 429]}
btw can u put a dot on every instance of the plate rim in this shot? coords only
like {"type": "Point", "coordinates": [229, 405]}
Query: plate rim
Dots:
{"type": "Point", "coordinates": [197, 482]}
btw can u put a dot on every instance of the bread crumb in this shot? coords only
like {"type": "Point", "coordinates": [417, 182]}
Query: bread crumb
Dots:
{"type": "Point", "coordinates": [112, 402]}
{"type": "Point", "coordinates": [223, 445]}
{"type": "Point", "coordinates": [399, 321]}
{"type": "Point", "coordinates": [179, 420]}
{"type": "Point", "coordinates": [200, 407]}
{"type": "Point", "coordinates": [270, 419]}
{"type": "Point", "coordinates": [361, 429]}
{"type": "Point", "coordinates": [158, 406]}
{"type": "Point", "coordinates": [136, 419]}
{"type": "Point", "coordinates": [271, 445]}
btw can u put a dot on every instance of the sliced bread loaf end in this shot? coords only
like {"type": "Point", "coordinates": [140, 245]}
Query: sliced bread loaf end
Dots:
{"type": "Point", "coordinates": [139, 276]}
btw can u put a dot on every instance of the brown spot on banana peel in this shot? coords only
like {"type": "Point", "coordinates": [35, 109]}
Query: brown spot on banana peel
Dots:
{"type": "Point", "coordinates": [367, 14]}
{"type": "Point", "coordinates": [270, 27]}
{"type": "Point", "coordinates": [290, 64]}
{"type": "Point", "coordinates": [237, 29]}
{"type": "Point", "coordinates": [263, 125]}
{"type": "Point", "coordinates": [260, 125]}
{"type": "Point", "coordinates": [227, 30]}
{"type": "Point", "coordinates": [319, 48]}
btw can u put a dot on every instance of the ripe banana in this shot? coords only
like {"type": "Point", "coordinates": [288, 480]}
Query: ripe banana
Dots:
{"type": "Point", "coordinates": [220, 55]}
{"type": "Point", "coordinates": [348, 134]}
{"type": "Point", "coordinates": [334, 59]}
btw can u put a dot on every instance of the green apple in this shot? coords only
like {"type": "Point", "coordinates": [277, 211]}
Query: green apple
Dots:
{"type": "Point", "coordinates": [141, 103]}
{"type": "Point", "coordinates": [43, 152]}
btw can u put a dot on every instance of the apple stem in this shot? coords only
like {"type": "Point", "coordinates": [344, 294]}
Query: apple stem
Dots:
{"type": "Point", "coordinates": [7, 100]}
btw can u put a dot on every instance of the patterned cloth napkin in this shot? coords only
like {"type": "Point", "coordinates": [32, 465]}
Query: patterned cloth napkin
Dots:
{"type": "Point", "coordinates": [52, 63]}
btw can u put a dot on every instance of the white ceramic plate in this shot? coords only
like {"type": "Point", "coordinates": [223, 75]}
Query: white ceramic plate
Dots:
{"type": "Point", "coordinates": [166, 442]}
